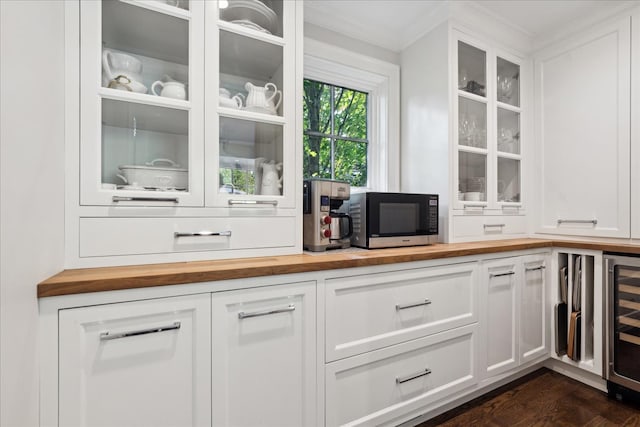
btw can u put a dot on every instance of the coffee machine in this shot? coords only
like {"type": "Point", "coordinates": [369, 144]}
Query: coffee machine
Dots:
{"type": "Point", "coordinates": [325, 225]}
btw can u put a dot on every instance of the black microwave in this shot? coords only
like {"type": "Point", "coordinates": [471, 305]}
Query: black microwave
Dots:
{"type": "Point", "coordinates": [386, 220]}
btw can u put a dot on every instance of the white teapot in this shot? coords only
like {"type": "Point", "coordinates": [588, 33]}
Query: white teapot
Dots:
{"type": "Point", "coordinates": [262, 98]}
{"type": "Point", "coordinates": [271, 179]}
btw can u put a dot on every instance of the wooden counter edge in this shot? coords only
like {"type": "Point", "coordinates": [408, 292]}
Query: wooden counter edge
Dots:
{"type": "Point", "coordinates": [130, 277]}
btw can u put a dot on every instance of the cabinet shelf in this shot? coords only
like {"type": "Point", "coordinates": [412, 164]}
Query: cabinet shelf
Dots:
{"type": "Point", "coordinates": [146, 29]}
{"type": "Point", "coordinates": [248, 115]}
{"type": "Point", "coordinates": [144, 99]}
{"type": "Point", "coordinates": [248, 32]}
{"type": "Point", "coordinates": [475, 150]}
{"type": "Point", "coordinates": [250, 58]}
{"type": "Point", "coordinates": [157, 6]}
{"type": "Point", "coordinates": [472, 96]}
{"type": "Point", "coordinates": [509, 107]}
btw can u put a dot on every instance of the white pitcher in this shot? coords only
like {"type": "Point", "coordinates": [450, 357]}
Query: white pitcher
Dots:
{"type": "Point", "coordinates": [263, 97]}
{"type": "Point", "coordinates": [271, 179]}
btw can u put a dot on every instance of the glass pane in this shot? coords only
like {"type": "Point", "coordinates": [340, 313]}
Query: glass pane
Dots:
{"type": "Point", "coordinates": [317, 157]}
{"type": "Point", "coordinates": [508, 180]}
{"type": "Point", "coordinates": [250, 74]}
{"type": "Point", "coordinates": [317, 107]}
{"type": "Point", "coordinates": [508, 131]}
{"type": "Point", "coordinates": [144, 147]}
{"type": "Point", "coordinates": [350, 113]}
{"type": "Point", "coordinates": [250, 157]}
{"type": "Point", "coordinates": [472, 69]}
{"type": "Point", "coordinates": [139, 61]}
{"type": "Point", "coordinates": [351, 162]}
{"type": "Point", "coordinates": [263, 16]}
{"type": "Point", "coordinates": [472, 177]}
{"type": "Point", "coordinates": [182, 4]}
{"type": "Point", "coordinates": [472, 123]}
{"type": "Point", "coordinates": [627, 321]}
{"type": "Point", "coordinates": [508, 84]}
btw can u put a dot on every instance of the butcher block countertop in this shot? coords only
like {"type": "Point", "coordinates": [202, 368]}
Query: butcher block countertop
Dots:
{"type": "Point", "coordinates": [86, 280]}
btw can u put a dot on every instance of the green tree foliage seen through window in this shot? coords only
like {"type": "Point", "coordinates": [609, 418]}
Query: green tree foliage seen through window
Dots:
{"type": "Point", "coordinates": [335, 133]}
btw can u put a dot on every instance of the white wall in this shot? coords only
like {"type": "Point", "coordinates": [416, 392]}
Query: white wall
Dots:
{"type": "Point", "coordinates": [31, 190]}
{"type": "Point", "coordinates": [363, 48]}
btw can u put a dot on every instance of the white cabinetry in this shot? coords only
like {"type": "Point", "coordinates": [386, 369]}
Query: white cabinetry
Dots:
{"type": "Point", "coordinates": [396, 342]}
{"type": "Point", "coordinates": [162, 141]}
{"type": "Point", "coordinates": [263, 356]}
{"type": "Point", "coordinates": [515, 313]}
{"type": "Point", "coordinates": [583, 124]}
{"type": "Point", "coordinates": [141, 363]}
{"type": "Point", "coordinates": [467, 122]}
{"type": "Point", "coordinates": [635, 128]}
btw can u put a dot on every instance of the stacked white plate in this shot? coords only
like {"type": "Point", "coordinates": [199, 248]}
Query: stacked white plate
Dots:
{"type": "Point", "coordinates": [252, 14]}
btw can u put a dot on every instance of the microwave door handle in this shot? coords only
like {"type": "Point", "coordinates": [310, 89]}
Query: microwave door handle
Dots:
{"type": "Point", "coordinates": [350, 221]}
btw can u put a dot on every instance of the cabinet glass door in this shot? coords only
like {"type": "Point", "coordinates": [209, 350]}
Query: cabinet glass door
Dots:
{"type": "Point", "coordinates": [472, 69]}
{"type": "Point", "coordinates": [136, 71]}
{"type": "Point", "coordinates": [253, 155]}
{"type": "Point", "coordinates": [472, 177]}
{"type": "Point", "coordinates": [508, 82]}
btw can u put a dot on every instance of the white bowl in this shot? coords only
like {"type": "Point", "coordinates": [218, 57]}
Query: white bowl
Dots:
{"type": "Point", "coordinates": [474, 196]}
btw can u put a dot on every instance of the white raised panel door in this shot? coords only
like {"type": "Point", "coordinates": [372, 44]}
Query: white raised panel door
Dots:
{"type": "Point", "coordinates": [635, 130]}
{"type": "Point", "coordinates": [500, 325]}
{"type": "Point", "coordinates": [533, 308]}
{"type": "Point", "coordinates": [263, 356]}
{"type": "Point", "coordinates": [583, 124]}
{"type": "Point", "coordinates": [136, 364]}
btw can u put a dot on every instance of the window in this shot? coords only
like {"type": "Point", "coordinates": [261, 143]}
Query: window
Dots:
{"type": "Point", "coordinates": [365, 145]}
{"type": "Point", "coordinates": [335, 133]}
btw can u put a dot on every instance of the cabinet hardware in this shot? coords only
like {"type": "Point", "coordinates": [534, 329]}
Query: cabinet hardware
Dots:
{"type": "Point", "coordinates": [202, 233]}
{"type": "Point", "coordinates": [578, 221]}
{"type": "Point", "coordinates": [508, 273]}
{"type": "Point", "coordinates": [254, 202]}
{"type": "Point", "coordinates": [475, 206]}
{"type": "Point", "coordinates": [494, 225]}
{"type": "Point", "coordinates": [540, 267]}
{"type": "Point", "coordinates": [243, 315]}
{"type": "Point", "coordinates": [106, 336]}
{"type": "Point", "coordinates": [400, 380]}
{"type": "Point", "coordinates": [415, 304]}
{"type": "Point", "coordinates": [145, 199]}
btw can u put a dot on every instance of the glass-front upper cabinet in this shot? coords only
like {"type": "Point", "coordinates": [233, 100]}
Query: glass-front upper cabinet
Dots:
{"type": "Point", "coordinates": [250, 123]}
{"type": "Point", "coordinates": [141, 100]}
{"type": "Point", "coordinates": [472, 106]}
{"type": "Point", "coordinates": [508, 125]}
{"type": "Point", "coordinates": [488, 133]}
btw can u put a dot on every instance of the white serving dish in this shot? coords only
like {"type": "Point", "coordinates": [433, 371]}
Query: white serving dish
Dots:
{"type": "Point", "coordinates": [155, 177]}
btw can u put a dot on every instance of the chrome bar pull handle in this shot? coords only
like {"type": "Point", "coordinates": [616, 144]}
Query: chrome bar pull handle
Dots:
{"type": "Point", "coordinates": [474, 206]}
{"type": "Point", "coordinates": [415, 304]}
{"type": "Point", "coordinates": [508, 273]}
{"type": "Point", "coordinates": [107, 336]}
{"type": "Point", "coordinates": [400, 380]}
{"type": "Point", "coordinates": [145, 199]}
{"type": "Point", "coordinates": [578, 221]}
{"type": "Point", "coordinates": [253, 202]}
{"type": "Point", "coordinates": [494, 225]}
{"type": "Point", "coordinates": [540, 267]}
{"type": "Point", "coordinates": [243, 315]}
{"type": "Point", "coordinates": [203, 234]}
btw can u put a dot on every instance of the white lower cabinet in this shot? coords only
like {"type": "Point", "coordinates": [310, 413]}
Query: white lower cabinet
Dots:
{"type": "Point", "coordinates": [264, 356]}
{"type": "Point", "coordinates": [141, 363]}
{"type": "Point", "coordinates": [514, 313]}
{"type": "Point", "coordinates": [382, 386]}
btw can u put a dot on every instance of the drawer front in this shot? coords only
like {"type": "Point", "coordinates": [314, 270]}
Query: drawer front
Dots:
{"type": "Point", "coordinates": [378, 387]}
{"type": "Point", "coordinates": [488, 226]}
{"type": "Point", "coordinates": [372, 311]}
{"type": "Point", "coordinates": [128, 236]}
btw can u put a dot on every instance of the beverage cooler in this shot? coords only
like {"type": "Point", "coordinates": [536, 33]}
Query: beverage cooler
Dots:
{"type": "Point", "coordinates": [622, 317]}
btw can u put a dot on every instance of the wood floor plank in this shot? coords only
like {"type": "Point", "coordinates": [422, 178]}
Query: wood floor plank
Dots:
{"type": "Point", "coordinates": [541, 399]}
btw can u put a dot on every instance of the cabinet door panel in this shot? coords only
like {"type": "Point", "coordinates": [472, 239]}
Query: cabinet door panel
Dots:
{"type": "Point", "coordinates": [263, 356]}
{"type": "Point", "coordinates": [635, 130]}
{"type": "Point", "coordinates": [150, 369]}
{"type": "Point", "coordinates": [583, 96]}
{"type": "Point", "coordinates": [533, 313]}
{"type": "Point", "coordinates": [501, 326]}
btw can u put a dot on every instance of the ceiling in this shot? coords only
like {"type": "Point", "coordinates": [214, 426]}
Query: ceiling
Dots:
{"type": "Point", "coordinates": [395, 24]}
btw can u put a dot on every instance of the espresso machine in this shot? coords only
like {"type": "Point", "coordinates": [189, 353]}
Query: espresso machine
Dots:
{"type": "Point", "coordinates": [325, 224]}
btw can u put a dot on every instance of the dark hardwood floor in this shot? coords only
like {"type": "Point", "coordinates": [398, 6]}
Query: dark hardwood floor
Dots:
{"type": "Point", "coordinates": [543, 398]}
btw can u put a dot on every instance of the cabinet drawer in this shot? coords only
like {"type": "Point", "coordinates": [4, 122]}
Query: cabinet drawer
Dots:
{"type": "Point", "coordinates": [488, 226]}
{"type": "Point", "coordinates": [127, 236]}
{"type": "Point", "coordinates": [378, 387]}
{"type": "Point", "coordinates": [371, 311]}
